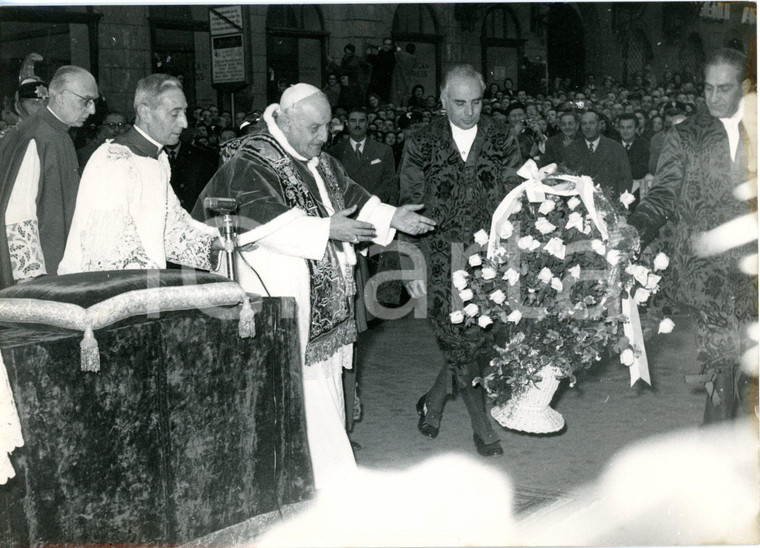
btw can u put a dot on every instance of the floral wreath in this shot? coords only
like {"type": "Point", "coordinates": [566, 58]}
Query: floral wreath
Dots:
{"type": "Point", "coordinates": [556, 283]}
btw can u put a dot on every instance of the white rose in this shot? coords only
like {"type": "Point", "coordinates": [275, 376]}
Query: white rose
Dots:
{"type": "Point", "coordinates": [613, 256]}
{"type": "Point", "coordinates": [652, 282]}
{"type": "Point", "coordinates": [575, 220]}
{"type": "Point", "coordinates": [575, 271]}
{"type": "Point", "coordinates": [481, 237]}
{"type": "Point", "coordinates": [515, 316]}
{"type": "Point", "coordinates": [545, 275]}
{"type": "Point", "coordinates": [498, 296]}
{"type": "Point", "coordinates": [459, 279]}
{"type": "Point", "coordinates": [556, 247]}
{"type": "Point", "coordinates": [626, 357]}
{"type": "Point", "coordinates": [641, 295]}
{"type": "Point", "coordinates": [557, 285]}
{"type": "Point", "coordinates": [506, 230]}
{"type": "Point", "coordinates": [489, 273]}
{"type": "Point", "coordinates": [573, 202]}
{"type": "Point", "coordinates": [511, 276]}
{"type": "Point", "coordinates": [639, 272]}
{"type": "Point", "coordinates": [666, 326]}
{"type": "Point", "coordinates": [626, 198]}
{"type": "Point", "coordinates": [525, 242]}
{"type": "Point", "coordinates": [599, 247]}
{"type": "Point", "coordinates": [661, 261]}
{"type": "Point", "coordinates": [544, 226]}
{"type": "Point", "coordinates": [484, 321]}
{"type": "Point", "coordinates": [475, 260]}
{"type": "Point", "coordinates": [456, 317]}
{"type": "Point", "coordinates": [471, 310]}
{"type": "Point", "coordinates": [466, 294]}
{"type": "Point", "coordinates": [547, 206]}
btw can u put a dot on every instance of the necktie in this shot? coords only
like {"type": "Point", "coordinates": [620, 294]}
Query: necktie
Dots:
{"type": "Point", "coordinates": [628, 146]}
{"type": "Point", "coordinates": [358, 151]}
{"type": "Point", "coordinates": [591, 147]}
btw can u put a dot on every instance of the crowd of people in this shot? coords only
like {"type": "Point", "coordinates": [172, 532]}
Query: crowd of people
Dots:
{"type": "Point", "coordinates": [390, 153]}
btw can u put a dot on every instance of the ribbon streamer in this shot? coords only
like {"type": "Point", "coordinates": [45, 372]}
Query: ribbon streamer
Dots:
{"type": "Point", "coordinates": [632, 329]}
{"type": "Point", "coordinates": [536, 191]}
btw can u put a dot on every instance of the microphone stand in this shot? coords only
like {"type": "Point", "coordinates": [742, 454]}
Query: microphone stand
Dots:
{"type": "Point", "coordinates": [228, 234]}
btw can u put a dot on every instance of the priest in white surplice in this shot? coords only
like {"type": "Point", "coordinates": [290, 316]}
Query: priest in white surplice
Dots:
{"type": "Point", "coordinates": [127, 215]}
{"type": "Point", "coordinates": [304, 213]}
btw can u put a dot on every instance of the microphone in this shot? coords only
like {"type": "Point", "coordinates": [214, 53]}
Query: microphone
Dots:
{"type": "Point", "coordinates": [225, 207]}
{"type": "Point", "coordinates": [220, 205]}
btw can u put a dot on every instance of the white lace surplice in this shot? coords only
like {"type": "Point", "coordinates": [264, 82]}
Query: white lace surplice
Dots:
{"type": "Point", "coordinates": [127, 216]}
{"type": "Point", "coordinates": [21, 224]}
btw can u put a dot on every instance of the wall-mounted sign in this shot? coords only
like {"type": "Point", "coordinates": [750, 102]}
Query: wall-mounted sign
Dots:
{"type": "Point", "coordinates": [228, 51]}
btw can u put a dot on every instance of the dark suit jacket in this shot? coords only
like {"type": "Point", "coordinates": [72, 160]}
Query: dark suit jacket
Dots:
{"type": "Point", "coordinates": [191, 170]}
{"type": "Point", "coordinates": [555, 150]}
{"type": "Point", "coordinates": [608, 165]}
{"type": "Point", "coordinates": [638, 157]}
{"type": "Point", "coordinates": [376, 171]}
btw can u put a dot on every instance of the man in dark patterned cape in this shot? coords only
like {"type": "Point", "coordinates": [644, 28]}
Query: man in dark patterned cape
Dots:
{"type": "Point", "coordinates": [702, 162]}
{"type": "Point", "coordinates": [460, 167]}
{"type": "Point", "coordinates": [298, 205]}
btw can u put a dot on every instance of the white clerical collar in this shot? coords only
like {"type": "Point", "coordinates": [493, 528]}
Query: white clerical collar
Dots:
{"type": "Point", "coordinates": [731, 124]}
{"type": "Point", "coordinates": [464, 138]}
{"type": "Point", "coordinates": [279, 136]}
{"type": "Point", "coordinates": [149, 138]}
{"type": "Point", "coordinates": [360, 143]}
{"type": "Point", "coordinates": [54, 114]}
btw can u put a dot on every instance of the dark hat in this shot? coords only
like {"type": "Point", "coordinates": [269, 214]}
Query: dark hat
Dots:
{"type": "Point", "coordinates": [32, 88]}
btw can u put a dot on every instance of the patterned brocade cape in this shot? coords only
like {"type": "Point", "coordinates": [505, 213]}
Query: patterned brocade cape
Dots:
{"type": "Point", "coordinates": [268, 184]}
{"type": "Point", "coordinates": [693, 190]}
{"type": "Point", "coordinates": [461, 197]}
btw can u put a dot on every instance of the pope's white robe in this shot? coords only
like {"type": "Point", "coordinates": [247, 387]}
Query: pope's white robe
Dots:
{"type": "Point", "coordinates": [285, 243]}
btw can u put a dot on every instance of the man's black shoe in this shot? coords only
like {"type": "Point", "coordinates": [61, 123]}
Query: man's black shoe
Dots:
{"type": "Point", "coordinates": [426, 429]}
{"type": "Point", "coordinates": [487, 449]}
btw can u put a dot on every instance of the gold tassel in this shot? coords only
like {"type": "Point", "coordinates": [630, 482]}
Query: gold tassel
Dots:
{"type": "Point", "coordinates": [89, 353]}
{"type": "Point", "coordinates": [246, 325]}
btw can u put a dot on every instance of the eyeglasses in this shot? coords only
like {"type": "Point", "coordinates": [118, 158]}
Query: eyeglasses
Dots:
{"type": "Point", "coordinates": [115, 124]}
{"type": "Point", "coordinates": [88, 101]}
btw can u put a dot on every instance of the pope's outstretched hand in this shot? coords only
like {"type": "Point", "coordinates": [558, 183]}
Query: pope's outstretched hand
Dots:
{"type": "Point", "coordinates": [406, 220]}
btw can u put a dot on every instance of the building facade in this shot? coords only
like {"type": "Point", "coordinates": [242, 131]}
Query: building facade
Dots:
{"type": "Point", "coordinates": [233, 57]}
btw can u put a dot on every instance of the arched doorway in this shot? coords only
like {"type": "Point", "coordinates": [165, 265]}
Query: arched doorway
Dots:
{"type": "Point", "coordinates": [417, 24]}
{"type": "Point", "coordinates": [295, 47]}
{"type": "Point", "coordinates": [565, 44]}
{"type": "Point", "coordinates": [501, 47]}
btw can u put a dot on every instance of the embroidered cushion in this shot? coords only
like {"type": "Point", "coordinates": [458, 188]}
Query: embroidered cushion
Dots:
{"type": "Point", "coordinates": [87, 301]}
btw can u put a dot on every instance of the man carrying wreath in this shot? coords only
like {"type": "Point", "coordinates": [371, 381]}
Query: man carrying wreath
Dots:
{"type": "Point", "coordinates": [460, 167]}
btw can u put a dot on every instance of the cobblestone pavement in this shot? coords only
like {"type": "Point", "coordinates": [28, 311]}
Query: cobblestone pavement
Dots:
{"type": "Point", "coordinates": [603, 413]}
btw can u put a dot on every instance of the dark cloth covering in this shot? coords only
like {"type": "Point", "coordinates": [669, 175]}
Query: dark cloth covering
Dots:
{"type": "Point", "coordinates": [57, 192]}
{"type": "Point", "coordinates": [187, 429]}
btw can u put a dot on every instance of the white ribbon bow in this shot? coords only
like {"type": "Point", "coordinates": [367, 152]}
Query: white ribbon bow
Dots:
{"type": "Point", "coordinates": [536, 191]}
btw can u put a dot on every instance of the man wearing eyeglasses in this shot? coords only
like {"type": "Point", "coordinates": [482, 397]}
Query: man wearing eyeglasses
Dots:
{"type": "Point", "coordinates": [39, 178]}
{"type": "Point", "coordinates": [114, 124]}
